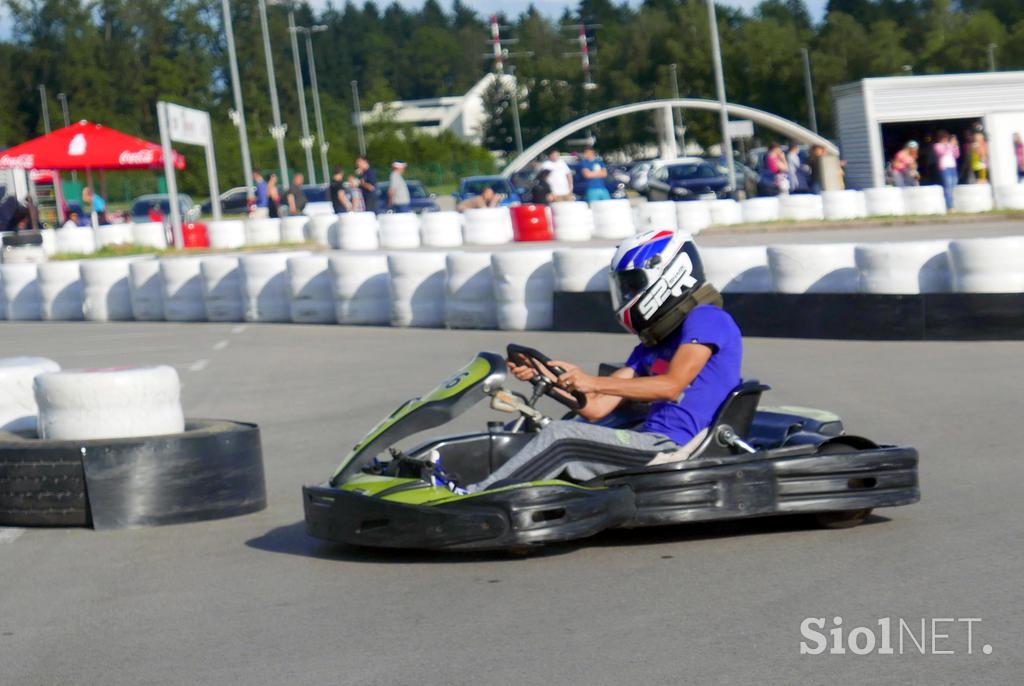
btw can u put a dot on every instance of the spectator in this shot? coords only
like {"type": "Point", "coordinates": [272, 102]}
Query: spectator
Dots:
{"type": "Point", "coordinates": [594, 172]}
{"type": "Point", "coordinates": [793, 167]}
{"type": "Point", "coordinates": [559, 177]}
{"type": "Point", "coordinates": [1018, 153]}
{"type": "Point", "coordinates": [295, 196]}
{"type": "Point", "coordinates": [816, 162]}
{"type": "Point", "coordinates": [97, 204]}
{"type": "Point", "coordinates": [979, 157]}
{"type": "Point", "coordinates": [487, 198]}
{"type": "Point", "coordinates": [154, 214]}
{"type": "Point", "coordinates": [367, 183]}
{"type": "Point", "coordinates": [358, 202]}
{"type": "Point", "coordinates": [73, 221]}
{"type": "Point", "coordinates": [262, 199]}
{"type": "Point", "coordinates": [273, 197]}
{"type": "Point", "coordinates": [775, 160]}
{"type": "Point", "coordinates": [540, 192]}
{"type": "Point", "coordinates": [398, 190]}
{"type": "Point", "coordinates": [947, 152]}
{"type": "Point", "coordinates": [904, 166]}
{"type": "Point", "coordinates": [339, 201]}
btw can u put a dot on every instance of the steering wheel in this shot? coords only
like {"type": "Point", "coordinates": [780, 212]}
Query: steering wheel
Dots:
{"type": "Point", "coordinates": [520, 354]}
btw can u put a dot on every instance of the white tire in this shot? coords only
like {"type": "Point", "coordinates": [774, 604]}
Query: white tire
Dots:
{"type": "Point", "coordinates": [988, 265]}
{"type": "Point", "coordinates": [975, 197]}
{"type": "Point", "coordinates": [359, 284]}
{"type": "Point", "coordinates": [79, 405]}
{"type": "Point", "coordinates": [315, 209]}
{"type": "Point", "coordinates": [265, 293]}
{"type": "Point", "coordinates": [613, 219]}
{"type": "Point", "coordinates": [886, 201]}
{"type": "Point", "coordinates": [903, 267]}
{"type": "Point", "coordinates": [60, 290]}
{"type": "Point", "coordinates": [262, 231]}
{"type": "Point", "coordinates": [113, 234]}
{"type": "Point", "coordinates": [693, 217]}
{"type": "Point", "coordinates": [309, 287]}
{"type": "Point", "coordinates": [18, 410]}
{"type": "Point", "coordinates": [147, 290]}
{"type": "Point", "coordinates": [318, 229]}
{"type": "Point", "coordinates": [843, 204]}
{"type": "Point", "coordinates": [21, 295]}
{"type": "Point", "coordinates": [724, 212]}
{"type": "Point", "coordinates": [183, 289]}
{"type": "Point", "coordinates": [800, 207]}
{"type": "Point", "coordinates": [657, 216]}
{"type": "Point", "coordinates": [49, 237]}
{"type": "Point", "coordinates": [524, 285]}
{"type": "Point", "coordinates": [293, 229]}
{"type": "Point", "coordinates": [355, 231]}
{"type": "Point", "coordinates": [469, 291]}
{"type": "Point", "coordinates": [24, 254]}
{"type": "Point", "coordinates": [487, 226]}
{"type": "Point", "coordinates": [757, 210]}
{"type": "Point", "coordinates": [441, 229]}
{"type": "Point", "coordinates": [106, 294]}
{"type": "Point", "coordinates": [417, 288]}
{"type": "Point", "coordinates": [813, 268]}
{"type": "Point", "coordinates": [226, 233]}
{"type": "Point", "coordinates": [582, 270]}
{"type": "Point", "coordinates": [741, 269]}
{"type": "Point", "coordinates": [222, 289]}
{"type": "Point", "coordinates": [573, 221]}
{"type": "Point", "coordinates": [1010, 197]}
{"type": "Point", "coordinates": [398, 230]}
{"type": "Point", "coordinates": [74, 241]}
{"type": "Point", "coordinates": [150, 235]}
{"type": "Point", "coordinates": [924, 200]}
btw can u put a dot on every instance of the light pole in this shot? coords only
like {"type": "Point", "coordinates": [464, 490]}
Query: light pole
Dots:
{"type": "Point", "coordinates": [992, 56]}
{"type": "Point", "coordinates": [238, 114]}
{"type": "Point", "coordinates": [515, 110]}
{"type": "Point", "coordinates": [278, 130]}
{"type": "Point", "coordinates": [309, 31]}
{"type": "Point", "coordinates": [812, 116]}
{"type": "Point", "coordinates": [45, 108]}
{"type": "Point", "coordinates": [359, 118]}
{"type": "Point", "coordinates": [62, 98]}
{"type": "Point", "coordinates": [716, 58]}
{"type": "Point", "coordinates": [677, 112]}
{"type": "Point", "coordinates": [306, 141]}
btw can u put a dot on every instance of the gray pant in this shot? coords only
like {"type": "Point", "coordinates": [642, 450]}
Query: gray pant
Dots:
{"type": "Point", "coordinates": [580, 450]}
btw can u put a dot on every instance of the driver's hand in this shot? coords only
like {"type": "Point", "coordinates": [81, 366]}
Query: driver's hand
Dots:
{"type": "Point", "coordinates": [522, 372]}
{"type": "Point", "coordinates": [575, 379]}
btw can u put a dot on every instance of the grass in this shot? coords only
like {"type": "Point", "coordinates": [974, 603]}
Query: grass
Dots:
{"type": "Point", "coordinates": [133, 250]}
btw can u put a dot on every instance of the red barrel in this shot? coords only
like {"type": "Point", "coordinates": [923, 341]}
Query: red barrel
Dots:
{"type": "Point", "coordinates": [530, 223]}
{"type": "Point", "coordinates": [193, 235]}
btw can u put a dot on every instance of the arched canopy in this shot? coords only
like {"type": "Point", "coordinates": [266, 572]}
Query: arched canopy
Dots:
{"type": "Point", "coordinates": [784, 126]}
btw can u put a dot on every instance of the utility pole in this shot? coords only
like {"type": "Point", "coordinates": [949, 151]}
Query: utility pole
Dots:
{"type": "Point", "coordinates": [677, 111]}
{"type": "Point", "coordinates": [62, 98]}
{"type": "Point", "coordinates": [316, 96]}
{"type": "Point", "coordinates": [499, 53]}
{"type": "Point", "coordinates": [515, 111]}
{"type": "Point", "coordinates": [45, 108]}
{"type": "Point", "coordinates": [306, 141]}
{"type": "Point", "coordinates": [278, 130]}
{"type": "Point", "coordinates": [238, 115]}
{"type": "Point", "coordinates": [812, 117]}
{"type": "Point", "coordinates": [992, 56]}
{"type": "Point", "coordinates": [358, 115]}
{"type": "Point", "coordinates": [716, 59]}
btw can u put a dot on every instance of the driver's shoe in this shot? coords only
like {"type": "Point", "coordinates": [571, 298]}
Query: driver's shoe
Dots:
{"type": "Point", "coordinates": [439, 477]}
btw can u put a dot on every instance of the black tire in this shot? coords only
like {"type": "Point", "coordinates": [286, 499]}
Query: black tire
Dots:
{"type": "Point", "coordinates": [842, 519]}
{"type": "Point", "coordinates": [40, 488]}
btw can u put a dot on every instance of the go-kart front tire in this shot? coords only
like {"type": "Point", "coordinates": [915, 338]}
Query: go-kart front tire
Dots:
{"type": "Point", "coordinates": [843, 519]}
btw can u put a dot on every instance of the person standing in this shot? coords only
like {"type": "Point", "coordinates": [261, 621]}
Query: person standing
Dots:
{"type": "Point", "coordinates": [1018, 154]}
{"type": "Point", "coordinates": [367, 183]}
{"type": "Point", "coordinates": [97, 205]}
{"type": "Point", "coordinates": [262, 198]}
{"type": "Point", "coordinates": [947, 152]}
{"type": "Point", "coordinates": [594, 172]}
{"type": "Point", "coordinates": [273, 197]}
{"type": "Point", "coordinates": [816, 162]}
{"type": "Point", "coordinates": [398, 191]}
{"type": "Point", "coordinates": [540, 192]}
{"type": "Point", "coordinates": [775, 160]}
{"type": "Point", "coordinates": [904, 166]}
{"type": "Point", "coordinates": [979, 157]}
{"type": "Point", "coordinates": [793, 168]}
{"type": "Point", "coordinates": [358, 202]}
{"type": "Point", "coordinates": [295, 196]}
{"type": "Point", "coordinates": [339, 200]}
{"type": "Point", "coordinates": [559, 177]}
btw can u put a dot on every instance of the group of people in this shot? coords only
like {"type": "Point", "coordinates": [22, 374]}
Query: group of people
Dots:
{"type": "Point", "coordinates": [791, 173]}
{"type": "Point", "coordinates": [357, 192]}
{"type": "Point", "coordinates": [354, 192]}
{"type": "Point", "coordinates": [942, 161]}
{"type": "Point", "coordinates": [555, 181]}
{"type": "Point", "coordinates": [92, 204]}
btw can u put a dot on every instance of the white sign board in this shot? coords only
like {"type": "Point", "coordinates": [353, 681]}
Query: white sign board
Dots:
{"type": "Point", "coordinates": [741, 128]}
{"type": "Point", "coordinates": [187, 125]}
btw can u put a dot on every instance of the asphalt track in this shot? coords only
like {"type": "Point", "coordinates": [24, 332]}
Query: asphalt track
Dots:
{"type": "Point", "coordinates": [252, 600]}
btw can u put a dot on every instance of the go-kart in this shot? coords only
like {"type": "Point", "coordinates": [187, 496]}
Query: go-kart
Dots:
{"type": "Point", "coordinates": [752, 463]}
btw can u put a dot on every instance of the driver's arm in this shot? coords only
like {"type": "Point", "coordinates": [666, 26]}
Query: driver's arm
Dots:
{"type": "Point", "coordinates": [600, 405]}
{"type": "Point", "coordinates": [683, 369]}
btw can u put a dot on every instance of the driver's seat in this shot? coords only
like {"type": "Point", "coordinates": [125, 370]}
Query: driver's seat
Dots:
{"type": "Point", "coordinates": [732, 422]}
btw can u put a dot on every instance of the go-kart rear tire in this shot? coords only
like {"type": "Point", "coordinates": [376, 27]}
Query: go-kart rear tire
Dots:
{"type": "Point", "coordinates": [843, 519]}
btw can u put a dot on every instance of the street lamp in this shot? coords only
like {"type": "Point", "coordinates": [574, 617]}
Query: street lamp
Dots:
{"type": "Point", "coordinates": [308, 31]}
{"type": "Point", "coordinates": [62, 98]}
{"type": "Point", "coordinates": [45, 108]}
{"type": "Point", "coordinates": [716, 58]}
{"type": "Point", "coordinates": [677, 111]}
{"type": "Point", "coordinates": [812, 116]}
{"type": "Point", "coordinates": [237, 115]}
{"type": "Point", "coordinates": [515, 109]}
{"type": "Point", "coordinates": [278, 130]}
{"type": "Point", "coordinates": [306, 141]}
{"type": "Point", "coordinates": [358, 118]}
{"type": "Point", "coordinates": [992, 56]}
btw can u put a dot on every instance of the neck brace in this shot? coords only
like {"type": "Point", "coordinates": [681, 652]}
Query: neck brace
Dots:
{"type": "Point", "coordinates": [674, 316]}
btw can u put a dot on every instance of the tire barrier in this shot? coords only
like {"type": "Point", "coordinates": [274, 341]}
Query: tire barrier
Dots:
{"type": "Point", "coordinates": [293, 229]}
{"type": "Point", "coordinates": [60, 290]}
{"type": "Point", "coordinates": [79, 405]}
{"type": "Point", "coordinates": [801, 207]}
{"type": "Point", "coordinates": [469, 291]}
{"type": "Point", "coordinates": [886, 201]}
{"type": "Point", "coordinates": [903, 267]}
{"type": "Point", "coordinates": [399, 230]}
{"type": "Point", "coordinates": [760, 210]}
{"type": "Point", "coordinates": [106, 294]}
{"type": "Point", "coordinates": [524, 285]}
{"type": "Point", "coordinates": [531, 222]}
{"type": "Point", "coordinates": [583, 270]}
{"type": "Point", "coordinates": [924, 200]}
{"type": "Point", "coordinates": [262, 231]}
{"type": "Point", "coordinates": [49, 241]}
{"type": "Point", "coordinates": [25, 254]}
{"type": "Point", "coordinates": [319, 227]}
{"type": "Point", "coordinates": [417, 288]}
{"type": "Point", "coordinates": [22, 298]}
{"type": "Point", "coordinates": [150, 235]}
{"type": "Point", "coordinates": [613, 219]}
{"type": "Point", "coordinates": [265, 293]}
{"type": "Point", "coordinates": [572, 221]}
{"type": "Point", "coordinates": [813, 268]}
{"type": "Point", "coordinates": [1009, 197]}
{"type": "Point", "coordinates": [226, 233]}
{"type": "Point", "coordinates": [988, 265]}
{"type": "Point", "coordinates": [693, 217]}
{"type": "Point", "coordinates": [147, 290]}
{"type": "Point", "coordinates": [354, 231]}
{"type": "Point", "coordinates": [182, 281]}
{"type": "Point", "coordinates": [975, 197]}
{"type": "Point", "coordinates": [18, 409]}
{"type": "Point", "coordinates": [309, 287]}
{"type": "Point", "coordinates": [74, 241]}
{"type": "Point", "coordinates": [843, 205]}
{"type": "Point", "coordinates": [360, 287]}
{"type": "Point", "coordinates": [222, 289]}
{"type": "Point", "coordinates": [441, 229]}
{"type": "Point", "coordinates": [657, 216]}
{"type": "Point", "coordinates": [314, 209]}
{"type": "Point", "coordinates": [487, 226]}
{"type": "Point", "coordinates": [113, 234]}
{"type": "Point", "coordinates": [742, 269]}
{"type": "Point", "coordinates": [724, 212]}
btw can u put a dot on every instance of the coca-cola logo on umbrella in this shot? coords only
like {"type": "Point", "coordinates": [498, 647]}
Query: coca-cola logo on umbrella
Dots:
{"type": "Point", "coordinates": [23, 161]}
{"type": "Point", "coordinates": [76, 148]}
{"type": "Point", "coordinates": [128, 157]}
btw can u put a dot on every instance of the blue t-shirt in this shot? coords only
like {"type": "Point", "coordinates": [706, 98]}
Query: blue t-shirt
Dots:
{"type": "Point", "coordinates": [683, 419]}
{"type": "Point", "coordinates": [262, 194]}
{"type": "Point", "coordinates": [592, 165]}
{"type": "Point", "coordinates": [98, 204]}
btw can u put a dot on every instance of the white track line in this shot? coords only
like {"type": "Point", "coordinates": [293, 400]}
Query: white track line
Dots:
{"type": "Point", "coordinates": [198, 365]}
{"type": "Point", "coordinates": [10, 534]}
{"type": "Point", "coordinates": [220, 345]}
{"type": "Point", "coordinates": [239, 329]}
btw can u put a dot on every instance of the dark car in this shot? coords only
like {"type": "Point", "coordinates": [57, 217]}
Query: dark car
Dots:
{"type": "Point", "coordinates": [141, 206]}
{"type": "Point", "coordinates": [232, 201]}
{"type": "Point", "coordinates": [691, 179]}
{"type": "Point", "coordinates": [422, 200]}
{"type": "Point", "coordinates": [472, 186]}
{"type": "Point", "coordinates": [616, 187]}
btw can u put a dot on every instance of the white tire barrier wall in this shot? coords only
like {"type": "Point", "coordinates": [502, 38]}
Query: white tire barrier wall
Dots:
{"type": "Point", "coordinates": [903, 267]}
{"type": "Point", "coordinates": [743, 269]}
{"type": "Point", "coordinates": [924, 200]}
{"type": "Point", "coordinates": [309, 286]}
{"type": "Point", "coordinates": [74, 241]}
{"type": "Point", "coordinates": [147, 290]}
{"type": "Point", "coordinates": [106, 294]}
{"type": "Point", "coordinates": [21, 295]}
{"type": "Point", "coordinates": [25, 254]}
{"type": "Point", "coordinates": [571, 221]}
{"type": "Point", "coordinates": [222, 289]}
{"type": "Point", "coordinates": [399, 230]}
{"type": "Point", "coordinates": [469, 291]}
{"type": "Point", "coordinates": [813, 268]}
{"type": "Point", "coordinates": [355, 231]}
{"type": "Point", "coordinates": [60, 291]}
{"type": "Point", "coordinates": [441, 229]}
{"type": "Point", "coordinates": [265, 293]}
{"type": "Point", "coordinates": [487, 226]}
{"type": "Point", "coordinates": [693, 217]}
{"type": "Point", "coordinates": [49, 237]}
{"type": "Point", "coordinates": [319, 227]}
{"type": "Point", "coordinates": [150, 235]}
{"type": "Point", "coordinates": [757, 210]}
{"type": "Point", "coordinates": [583, 270]}
{"type": "Point", "coordinates": [524, 285]}
{"type": "Point", "coordinates": [262, 231]}
{"type": "Point", "coordinates": [657, 216]}
{"type": "Point", "coordinates": [976, 197]}
{"type": "Point", "coordinates": [293, 229]}
{"type": "Point", "coordinates": [313, 209]}
{"type": "Point", "coordinates": [887, 201]}
{"type": "Point", "coordinates": [1010, 197]}
{"type": "Point", "coordinates": [226, 233]}
{"type": "Point", "coordinates": [113, 234]}
{"type": "Point", "coordinates": [18, 410]}
{"type": "Point", "coordinates": [725, 212]}
{"type": "Point", "coordinates": [183, 289]}
{"type": "Point", "coordinates": [613, 219]}
{"type": "Point", "coordinates": [801, 207]}
{"type": "Point", "coordinates": [80, 405]}
{"type": "Point", "coordinates": [360, 285]}
{"type": "Point", "coordinates": [988, 265]}
{"type": "Point", "coordinates": [417, 288]}
{"type": "Point", "coordinates": [843, 204]}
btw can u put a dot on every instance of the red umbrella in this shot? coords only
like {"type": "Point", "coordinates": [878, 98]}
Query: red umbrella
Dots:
{"type": "Point", "coordinates": [86, 146]}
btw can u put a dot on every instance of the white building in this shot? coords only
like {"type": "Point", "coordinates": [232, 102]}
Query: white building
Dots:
{"type": "Point", "coordinates": [875, 117]}
{"type": "Point", "coordinates": [463, 115]}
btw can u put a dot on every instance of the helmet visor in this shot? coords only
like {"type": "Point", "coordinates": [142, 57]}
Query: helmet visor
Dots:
{"type": "Point", "coordinates": [628, 284]}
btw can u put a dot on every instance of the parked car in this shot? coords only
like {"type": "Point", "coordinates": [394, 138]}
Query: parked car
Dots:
{"type": "Point", "coordinates": [472, 186]}
{"type": "Point", "coordinates": [141, 206]}
{"type": "Point", "coordinates": [690, 178]}
{"type": "Point", "coordinates": [422, 200]}
{"type": "Point", "coordinates": [233, 201]}
{"type": "Point", "coordinates": [616, 188]}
